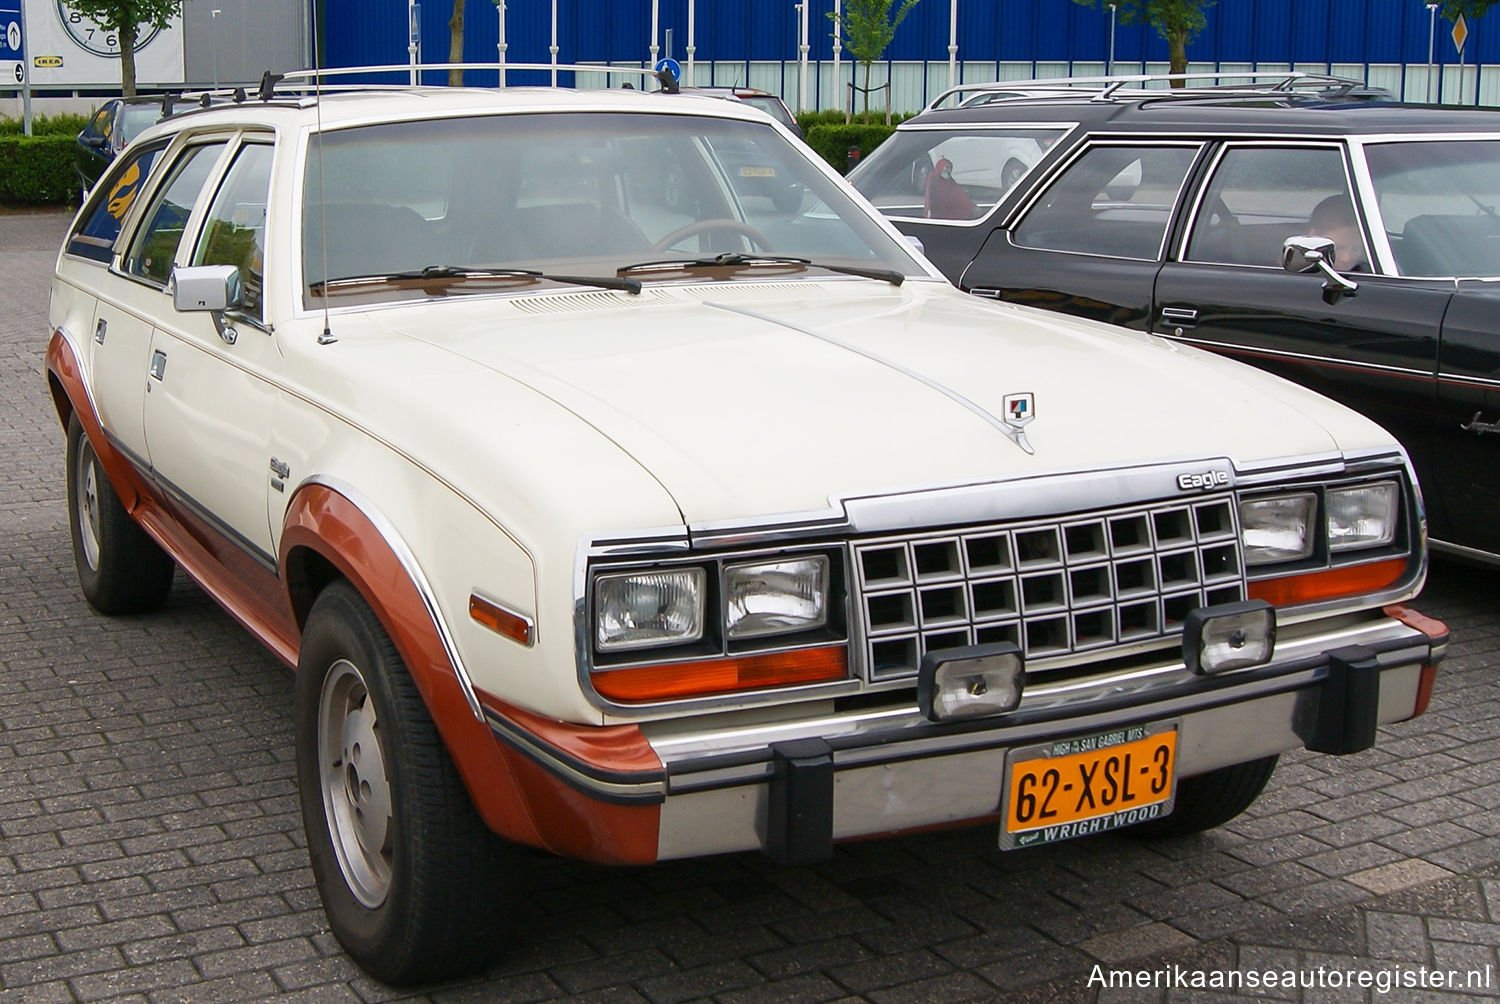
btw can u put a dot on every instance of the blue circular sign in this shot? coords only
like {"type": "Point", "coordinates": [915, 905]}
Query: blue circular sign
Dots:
{"type": "Point", "coordinates": [671, 66]}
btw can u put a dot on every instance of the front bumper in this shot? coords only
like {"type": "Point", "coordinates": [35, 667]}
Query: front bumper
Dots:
{"type": "Point", "coordinates": [793, 786]}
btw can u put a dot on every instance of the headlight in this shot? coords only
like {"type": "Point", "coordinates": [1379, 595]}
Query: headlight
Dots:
{"type": "Point", "coordinates": [775, 597]}
{"type": "Point", "coordinates": [636, 609]}
{"type": "Point", "coordinates": [1362, 516]}
{"type": "Point", "coordinates": [1279, 528]}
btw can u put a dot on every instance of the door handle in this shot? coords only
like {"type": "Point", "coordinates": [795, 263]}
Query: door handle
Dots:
{"type": "Point", "coordinates": [158, 364]}
{"type": "Point", "coordinates": [1179, 318]}
{"type": "Point", "coordinates": [1479, 428]}
{"type": "Point", "coordinates": [100, 329]}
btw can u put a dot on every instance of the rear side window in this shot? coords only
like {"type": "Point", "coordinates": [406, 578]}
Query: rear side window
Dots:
{"type": "Point", "coordinates": [1114, 201]}
{"type": "Point", "coordinates": [95, 238]}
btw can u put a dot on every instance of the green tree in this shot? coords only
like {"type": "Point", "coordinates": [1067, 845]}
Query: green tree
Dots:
{"type": "Point", "coordinates": [1177, 21]}
{"type": "Point", "coordinates": [868, 28]}
{"type": "Point", "coordinates": [124, 18]}
{"type": "Point", "coordinates": [1470, 9]}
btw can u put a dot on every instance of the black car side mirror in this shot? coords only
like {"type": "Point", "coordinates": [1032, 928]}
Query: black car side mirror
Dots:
{"type": "Point", "coordinates": [1302, 254]}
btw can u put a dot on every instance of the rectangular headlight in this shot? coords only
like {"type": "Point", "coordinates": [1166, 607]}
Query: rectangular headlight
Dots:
{"type": "Point", "coordinates": [1363, 515]}
{"type": "Point", "coordinates": [646, 608]}
{"type": "Point", "coordinates": [1278, 528]}
{"type": "Point", "coordinates": [775, 597]}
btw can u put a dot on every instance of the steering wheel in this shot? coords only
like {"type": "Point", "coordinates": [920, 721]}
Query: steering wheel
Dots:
{"type": "Point", "coordinates": [704, 226]}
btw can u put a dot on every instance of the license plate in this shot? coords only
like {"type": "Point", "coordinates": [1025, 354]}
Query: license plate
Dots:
{"type": "Point", "coordinates": [1088, 784]}
{"type": "Point", "coordinates": [757, 172]}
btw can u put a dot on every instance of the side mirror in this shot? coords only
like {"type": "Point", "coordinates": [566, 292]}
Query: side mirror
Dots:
{"type": "Point", "coordinates": [916, 243]}
{"type": "Point", "coordinates": [214, 288]}
{"type": "Point", "coordinates": [207, 287]}
{"type": "Point", "coordinates": [1302, 254]}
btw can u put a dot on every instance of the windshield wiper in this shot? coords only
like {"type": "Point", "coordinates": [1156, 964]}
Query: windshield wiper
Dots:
{"type": "Point", "coordinates": [735, 259]}
{"type": "Point", "coordinates": [632, 286]}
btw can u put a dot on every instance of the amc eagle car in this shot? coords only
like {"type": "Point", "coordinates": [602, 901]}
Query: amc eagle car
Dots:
{"type": "Point", "coordinates": [1188, 214]}
{"type": "Point", "coordinates": [634, 533]}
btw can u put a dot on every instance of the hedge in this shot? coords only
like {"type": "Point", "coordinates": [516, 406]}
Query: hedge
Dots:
{"type": "Point", "coordinates": [46, 125]}
{"type": "Point", "coordinates": [37, 170]}
{"type": "Point", "coordinates": [832, 142]}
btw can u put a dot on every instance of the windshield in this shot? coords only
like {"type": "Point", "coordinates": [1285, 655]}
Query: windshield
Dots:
{"type": "Point", "coordinates": [1440, 205]}
{"type": "Point", "coordinates": [949, 174]}
{"type": "Point", "coordinates": [575, 193]}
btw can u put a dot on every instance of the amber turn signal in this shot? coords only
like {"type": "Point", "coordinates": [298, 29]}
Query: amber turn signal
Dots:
{"type": "Point", "coordinates": [723, 676]}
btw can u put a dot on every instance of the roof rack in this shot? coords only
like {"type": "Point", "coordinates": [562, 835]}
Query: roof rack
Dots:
{"type": "Point", "coordinates": [1269, 82]}
{"type": "Point", "coordinates": [308, 84]}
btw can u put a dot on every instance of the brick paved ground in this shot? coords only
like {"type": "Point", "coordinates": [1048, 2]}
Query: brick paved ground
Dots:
{"type": "Point", "coordinates": [150, 848]}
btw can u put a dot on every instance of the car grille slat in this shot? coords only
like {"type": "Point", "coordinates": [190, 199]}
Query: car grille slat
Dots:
{"type": "Point", "coordinates": [1054, 588]}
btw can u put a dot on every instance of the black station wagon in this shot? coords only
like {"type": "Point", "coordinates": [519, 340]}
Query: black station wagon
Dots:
{"type": "Point", "coordinates": [1350, 244]}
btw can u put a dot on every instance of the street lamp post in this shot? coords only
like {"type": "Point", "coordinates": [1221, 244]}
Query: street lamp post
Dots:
{"type": "Point", "coordinates": [692, 45]}
{"type": "Point", "coordinates": [1109, 65]}
{"type": "Point", "coordinates": [553, 47]}
{"type": "Point", "coordinates": [213, 22]}
{"type": "Point", "coordinates": [953, 43]}
{"type": "Point", "coordinates": [500, 46]}
{"type": "Point", "coordinates": [802, 50]}
{"type": "Point", "coordinates": [838, 49]}
{"type": "Point", "coordinates": [1432, 10]}
{"type": "Point", "coordinates": [653, 48]}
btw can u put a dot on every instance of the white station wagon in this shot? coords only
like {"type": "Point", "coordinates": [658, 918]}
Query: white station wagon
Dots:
{"type": "Point", "coordinates": [635, 528]}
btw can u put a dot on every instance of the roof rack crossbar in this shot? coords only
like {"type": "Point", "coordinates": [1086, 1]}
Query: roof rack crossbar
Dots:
{"type": "Point", "coordinates": [1108, 87]}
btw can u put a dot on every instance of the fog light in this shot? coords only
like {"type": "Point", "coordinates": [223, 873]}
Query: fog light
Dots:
{"type": "Point", "coordinates": [1230, 636]}
{"type": "Point", "coordinates": [970, 682]}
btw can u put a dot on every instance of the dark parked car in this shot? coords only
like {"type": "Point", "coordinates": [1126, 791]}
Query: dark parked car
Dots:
{"type": "Point", "coordinates": [1349, 243]}
{"type": "Point", "coordinates": [116, 123]}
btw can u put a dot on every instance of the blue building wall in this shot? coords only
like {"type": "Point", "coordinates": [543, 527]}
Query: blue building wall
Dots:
{"type": "Point", "coordinates": [1250, 33]}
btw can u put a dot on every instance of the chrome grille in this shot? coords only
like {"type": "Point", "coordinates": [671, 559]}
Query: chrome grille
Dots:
{"type": "Point", "coordinates": [1053, 588]}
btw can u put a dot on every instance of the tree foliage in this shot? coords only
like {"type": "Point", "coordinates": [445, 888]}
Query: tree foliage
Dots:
{"type": "Point", "coordinates": [868, 27]}
{"type": "Point", "coordinates": [1177, 21]}
{"type": "Point", "coordinates": [124, 17]}
{"type": "Point", "coordinates": [1470, 9]}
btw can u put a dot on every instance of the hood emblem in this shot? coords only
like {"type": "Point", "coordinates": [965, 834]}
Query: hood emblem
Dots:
{"type": "Point", "coordinates": [1018, 412]}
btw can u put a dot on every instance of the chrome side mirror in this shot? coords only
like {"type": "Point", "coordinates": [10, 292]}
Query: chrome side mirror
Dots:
{"type": "Point", "coordinates": [214, 288]}
{"type": "Point", "coordinates": [207, 287]}
{"type": "Point", "coordinates": [1306, 253]}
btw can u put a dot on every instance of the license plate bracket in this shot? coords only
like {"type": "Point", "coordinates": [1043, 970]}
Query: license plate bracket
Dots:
{"type": "Point", "coordinates": [1088, 784]}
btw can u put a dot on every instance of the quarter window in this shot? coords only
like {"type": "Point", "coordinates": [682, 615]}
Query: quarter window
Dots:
{"type": "Point", "coordinates": [1113, 200]}
{"type": "Point", "coordinates": [155, 246]}
{"type": "Point", "coordinates": [1260, 196]}
{"type": "Point", "coordinates": [235, 231]}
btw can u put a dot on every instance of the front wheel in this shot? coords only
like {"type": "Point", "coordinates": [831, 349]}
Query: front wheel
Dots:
{"type": "Point", "coordinates": [121, 570]}
{"type": "Point", "coordinates": [1210, 800]}
{"type": "Point", "coordinates": [415, 887]}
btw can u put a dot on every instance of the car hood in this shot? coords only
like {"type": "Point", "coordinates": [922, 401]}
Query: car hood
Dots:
{"type": "Point", "coordinates": [747, 399]}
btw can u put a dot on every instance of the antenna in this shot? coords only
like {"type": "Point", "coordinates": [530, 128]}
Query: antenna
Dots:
{"type": "Point", "coordinates": [327, 337]}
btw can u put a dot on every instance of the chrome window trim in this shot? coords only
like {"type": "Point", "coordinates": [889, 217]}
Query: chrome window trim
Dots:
{"type": "Point", "coordinates": [1230, 145]}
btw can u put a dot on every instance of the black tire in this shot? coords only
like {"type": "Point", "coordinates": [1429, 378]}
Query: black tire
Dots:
{"type": "Point", "coordinates": [1011, 174]}
{"type": "Point", "coordinates": [415, 886]}
{"type": "Point", "coordinates": [121, 570]}
{"type": "Point", "coordinates": [1210, 800]}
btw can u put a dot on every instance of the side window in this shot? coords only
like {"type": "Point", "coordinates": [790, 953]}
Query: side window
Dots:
{"type": "Point", "coordinates": [155, 244]}
{"type": "Point", "coordinates": [942, 174]}
{"type": "Point", "coordinates": [235, 231]}
{"type": "Point", "coordinates": [95, 236]}
{"type": "Point", "coordinates": [1260, 196]}
{"type": "Point", "coordinates": [1113, 200]}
